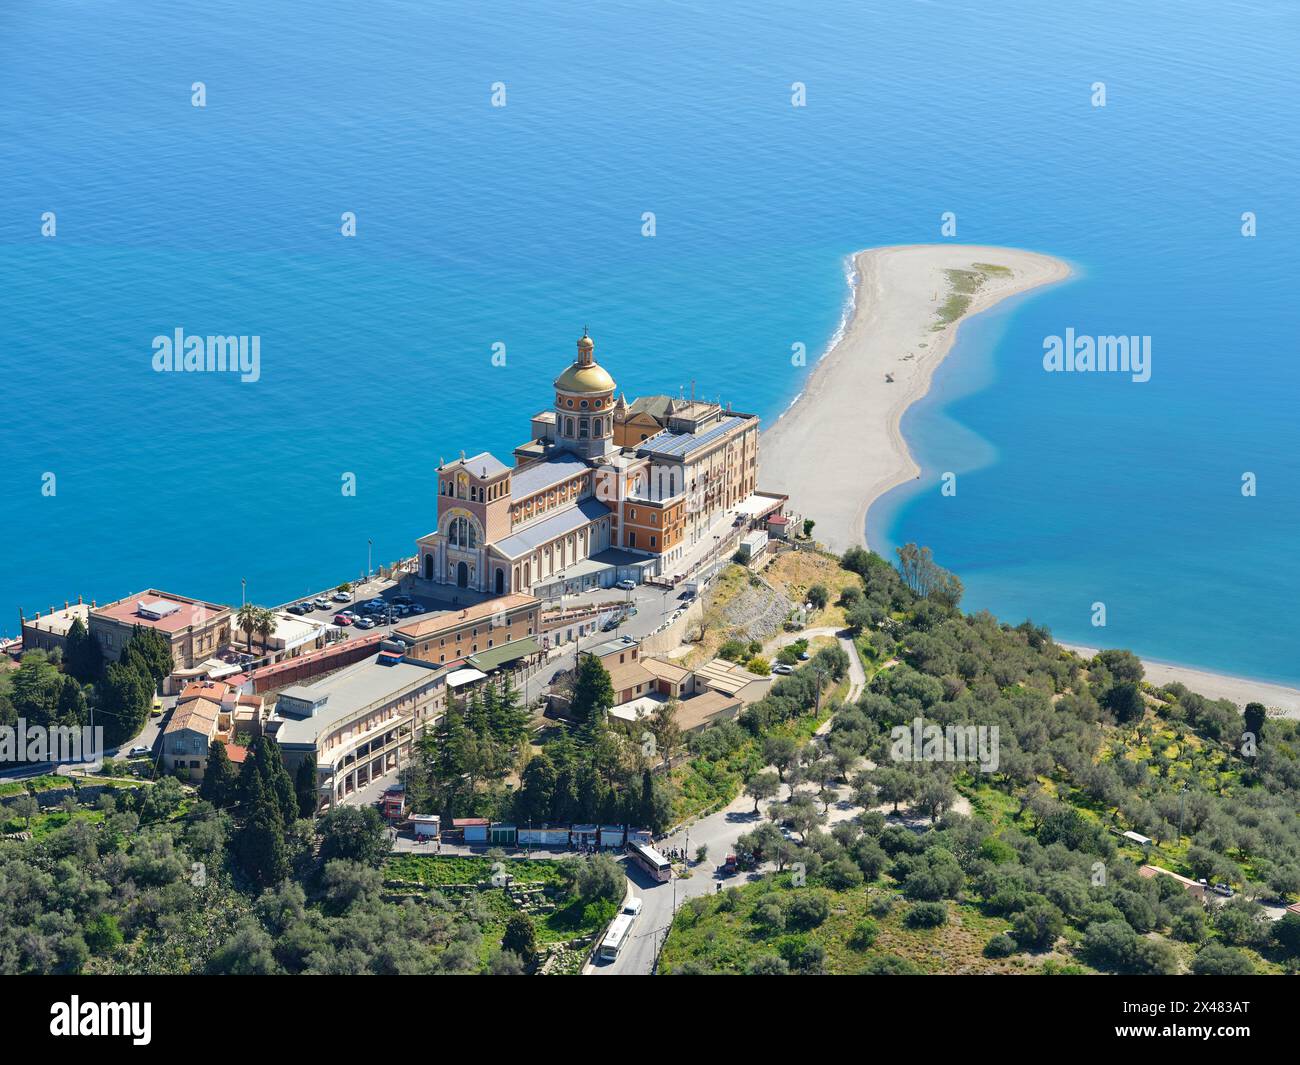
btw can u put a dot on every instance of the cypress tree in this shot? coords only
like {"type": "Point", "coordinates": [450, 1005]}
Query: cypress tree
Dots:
{"type": "Point", "coordinates": [220, 779]}
{"type": "Point", "coordinates": [83, 657]}
{"type": "Point", "coordinates": [305, 787]}
{"type": "Point", "coordinates": [260, 844]}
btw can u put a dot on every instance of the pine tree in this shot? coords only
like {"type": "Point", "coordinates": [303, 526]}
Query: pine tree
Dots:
{"type": "Point", "coordinates": [510, 719]}
{"type": "Point", "coordinates": [536, 795]}
{"type": "Point", "coordinates": [476, 715]}
{"type": "Point", "coordinates": [593, 695]}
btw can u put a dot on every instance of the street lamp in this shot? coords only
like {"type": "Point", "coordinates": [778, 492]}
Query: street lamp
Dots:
{"type": "Point", "coordinates": [369, 545]}
{"type": "Point", "coordinates": [243, 591]}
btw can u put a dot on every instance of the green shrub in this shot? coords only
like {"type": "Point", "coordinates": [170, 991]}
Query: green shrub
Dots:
{"type": "Point", "coordinates": [1000, 946]}
{"type": "Point", "coordinates": [926, 915]}
{"type": "Point", "coordinates": [864, 934]}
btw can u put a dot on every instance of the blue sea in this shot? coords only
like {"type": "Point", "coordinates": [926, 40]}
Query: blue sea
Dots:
{"type": "Point", "coordinates": [479, 225]}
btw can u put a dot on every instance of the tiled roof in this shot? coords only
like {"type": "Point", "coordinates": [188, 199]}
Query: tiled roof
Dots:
{"type": "Point", "coordinates": [627, 675]}
{"type": "Point", "coordinates": [666, 670]}
{"type": "Point", "coordinates": [198, 715]}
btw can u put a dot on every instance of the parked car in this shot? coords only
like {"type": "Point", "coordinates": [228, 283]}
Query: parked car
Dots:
{"type": "Point", "coordinates": [782, 670]}
{"type": "Point", "coordinates": [321, 603]}
{"type": "Point", "coordinates": [416, 608]}
{"type": "Point", "coordinates": [157, 708]}
{"type": "Point", "coordinates": [626, 585]}
{"type": "Point", "coordinates": [804, 656]}
{"type": "Point", "coordinates": [1224, 890]}
{"type": "Point", "coordinates": [342, 619]}
{"type": "Point", "coordinates": [137, 752]}
{"type": "Point", "coordinates": [632, 907]}
{"type": "Point", "coordinates": [342, 597]}
{"type": "Point", "coordinates": [364, 623]}
{"type": "Point", "coordinates": [405, 600]}
{"type": "Point", "coordinates": [299, 608]}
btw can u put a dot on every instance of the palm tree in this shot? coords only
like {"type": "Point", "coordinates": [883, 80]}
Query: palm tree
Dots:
{"type": "Point", "coordinates": [265, 625]}
{"type": "Point", "coordinates": [246, 615]}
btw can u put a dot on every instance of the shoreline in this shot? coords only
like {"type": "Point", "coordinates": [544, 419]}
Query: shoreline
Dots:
{"type": "Point", "coordinates": [1211, 684]}
{"type": "Point", "coordinates": [850, 418]}
{"type": "Point", "coordinates": [896, 294]}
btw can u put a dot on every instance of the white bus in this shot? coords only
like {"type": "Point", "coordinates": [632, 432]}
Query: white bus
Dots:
{"type": "Point", "coordinates": [620, 931]}
{"type": "Point", "coordinates": [651, 861]}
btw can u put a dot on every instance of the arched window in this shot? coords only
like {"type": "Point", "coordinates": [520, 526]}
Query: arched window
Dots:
{"type": "Point", "coordinates": [461, 533]}
{"type": "Point", "coordinates": [568, 426]}
{"type": "Point", "coordinates": [595, 427]}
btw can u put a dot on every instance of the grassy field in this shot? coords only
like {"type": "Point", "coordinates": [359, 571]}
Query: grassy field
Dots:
{"type": "Point", "coordinates": [45, 823]}
{"type": "Point", "coordinates": [792, 573]}
{"type": "Point", "coordinates": [441, 870]}
{"type": "Point", "coordinates": [720, 932]}
{"type": "Point", "coordinates": [570, 920]}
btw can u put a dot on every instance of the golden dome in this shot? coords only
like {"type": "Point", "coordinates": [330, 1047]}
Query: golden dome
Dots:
{"type": "Point", "coordinates": [584, 379]}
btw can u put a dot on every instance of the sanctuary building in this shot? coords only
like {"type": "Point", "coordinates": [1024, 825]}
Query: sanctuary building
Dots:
{"type": "Point", "coordinates": [602, 491]}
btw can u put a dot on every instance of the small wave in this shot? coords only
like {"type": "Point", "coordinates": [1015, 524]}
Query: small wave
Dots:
{"type": "Point", "coordinates": [850, 306]}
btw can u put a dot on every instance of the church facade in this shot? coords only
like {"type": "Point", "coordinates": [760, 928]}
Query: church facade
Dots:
{"type": "Point", "coordinates": [584, 505]}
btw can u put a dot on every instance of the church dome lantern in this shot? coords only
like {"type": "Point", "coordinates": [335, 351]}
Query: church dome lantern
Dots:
{"type": "Point", "coordinates": [585, 377]}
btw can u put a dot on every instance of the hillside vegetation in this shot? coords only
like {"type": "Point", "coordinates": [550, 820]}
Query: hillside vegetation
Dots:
{"type": "Point", "coordinates": [1037, 877]}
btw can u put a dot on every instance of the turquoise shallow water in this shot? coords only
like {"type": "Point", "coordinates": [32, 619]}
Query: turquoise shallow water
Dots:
{"type": "Point", "coordinates": [521, 224]}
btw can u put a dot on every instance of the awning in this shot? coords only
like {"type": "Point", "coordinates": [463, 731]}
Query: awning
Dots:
{"type": "Point", "coordinates": [496, 657]}
{"type": "Point", "coordinates": [462, 677]}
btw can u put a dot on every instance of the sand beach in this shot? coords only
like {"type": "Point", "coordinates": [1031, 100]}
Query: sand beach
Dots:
{"type": "Point", "coordinates": [838, 448]}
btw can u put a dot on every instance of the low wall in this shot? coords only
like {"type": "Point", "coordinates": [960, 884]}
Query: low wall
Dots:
{"type": "Point", "coordinates": [672, 637]}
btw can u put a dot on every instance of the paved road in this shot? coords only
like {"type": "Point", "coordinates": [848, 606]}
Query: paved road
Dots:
{"type": "Point", "coordinates": [653, 607]}
{"type": "Point", "coordinates": [857, 675]}
{"type": "Point", "coordinates": [719, 832]}
{"type": "Point", "coordinates": [148, 737]}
